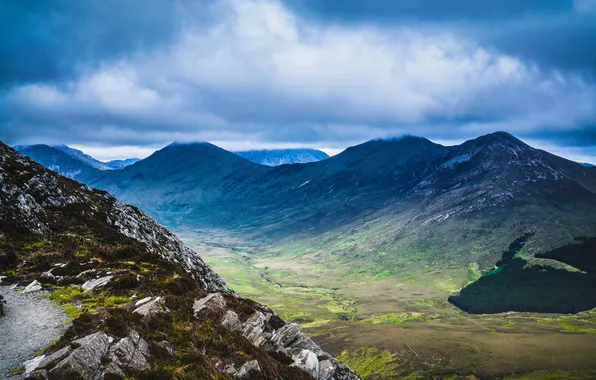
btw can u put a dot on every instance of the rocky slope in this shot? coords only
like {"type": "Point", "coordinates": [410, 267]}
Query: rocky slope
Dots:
{"type": "Point", "coordinates": [68, 165]}
{"type": "Point", "coordinates": [143, 305]}
{"type": "Point", "coordinates": [276, 157]}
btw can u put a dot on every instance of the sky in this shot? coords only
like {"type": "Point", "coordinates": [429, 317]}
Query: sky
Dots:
{"type": "Point", "coordinates": [122, 78]}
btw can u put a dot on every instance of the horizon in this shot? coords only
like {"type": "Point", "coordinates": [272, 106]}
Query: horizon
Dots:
{"type": "Point", "coordinates": [98, 153]}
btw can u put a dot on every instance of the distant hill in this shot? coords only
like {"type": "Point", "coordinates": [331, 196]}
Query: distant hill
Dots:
{"type": "Point", "coordinates": [84, 158]}
{"type": "Point", "coordinates": [587, 165]}
{"type": "Point", "coordinates": [69, 164]}
{"type": "Point", "coordinates": [278, 157]}
{"type": "Point", "coordinates": [119, 164]}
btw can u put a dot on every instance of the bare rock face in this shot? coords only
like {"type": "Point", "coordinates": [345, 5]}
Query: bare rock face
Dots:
{"type": "Point", "coordinates": [33, 287]}
{"type": "Point", "coordinates": [249, 370]}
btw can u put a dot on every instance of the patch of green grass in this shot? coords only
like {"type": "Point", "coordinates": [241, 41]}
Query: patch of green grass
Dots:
{"type": "Point", "coordinates": [399, 318]}
{"type": "Point", "coordinates": [371, 362]}
{"type": "Point", "coordinates": [71, 311]}
{"type": "Point", "coordinates": [474, 272]}
{"type": "Point", "coordinates": [570, 328]}
{"type": "Point", "coordinates": [16, 371]}
{"type": "Point", "coordinates": [64, 295]}
{"type": "Point", "coordinates": [298, 317]}
{"type": "Point", "coordinates": [115, 300]}
{"type": "Point", "coordinates": [43, 243]}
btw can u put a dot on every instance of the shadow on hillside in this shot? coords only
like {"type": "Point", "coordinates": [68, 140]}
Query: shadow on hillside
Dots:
{"type": "Point", "coordinates": [514, 287]}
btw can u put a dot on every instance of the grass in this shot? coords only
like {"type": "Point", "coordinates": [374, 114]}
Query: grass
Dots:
{"type": "Point", "coordinates": [571, 328]}
{"type": "Point", "coordinates": [371, 362]}
{"type": "Point", "coordinates": [71, 311]}
{"type": "Point", "coordinates": [65, 295]}
{"type": "Point", "coordinates": [400, 318]}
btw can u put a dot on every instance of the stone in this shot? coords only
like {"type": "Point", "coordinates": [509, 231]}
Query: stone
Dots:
{"type": "Point", "coordinates": [231, 321]}
{"type": "Point", "coordinates": [96, 283]}
{"type": "Point", "coordinates": [33, 364]}
{"type": "Point", "coordinates": [254, 327]}
{"type": "Point", "coordinates": [130, 353]}
{"type": "Point", "coordinates": [35, 286]}
{"type": "Point", "coordinates": [112, 369]}
{"type": "Point", "coordinates": [307, 361]}
{"type": "Point", "coordinates": [51, 359]}
{"type": "Point", "coordinates": [156, 305]}
{"type": "Point", "coordinates": [326, 370]}
{"type": "Point", "coordinates": [213, 302]}
{"type": "Point", "coordinates": [85, 360]}
{"type": "Point", "coordinates": [143, 301]}
{"type": "Point", "coordinates": [250, 369]}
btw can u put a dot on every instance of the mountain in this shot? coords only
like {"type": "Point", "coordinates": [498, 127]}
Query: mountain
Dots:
{"type": "Point", "coordinates": [278, 157]}
{"type": "Point", "coordinates": [84, 158]}
{"type": "Point", "coordinates": [142, 304]}
{"type": "Point", "coordinates": [587, 165]}
{"type": "Point", "coordinates": [464, 202]}
{"type": "Point", "coordinates": [119, 164]}
{"type": "Point", "coordinates": [56, 159]}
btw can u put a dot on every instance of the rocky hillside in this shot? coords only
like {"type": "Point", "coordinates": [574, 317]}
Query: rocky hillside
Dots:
{"type": "Point", "coordinates": [69, 165]}
{"type": "Point", "coordinates": [142, 304]}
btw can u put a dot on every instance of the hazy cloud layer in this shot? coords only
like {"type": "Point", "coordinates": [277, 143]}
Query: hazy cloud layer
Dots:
{"type": "Point", "coordinates": [298, 73]}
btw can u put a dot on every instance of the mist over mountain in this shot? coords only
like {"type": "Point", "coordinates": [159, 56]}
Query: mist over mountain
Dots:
{"type": "Point", "coordinates": [276, 157]}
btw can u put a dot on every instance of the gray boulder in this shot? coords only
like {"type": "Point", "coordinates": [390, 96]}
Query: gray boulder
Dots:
{"type": "Point", "coordinates": [154, 306]}
{"type": "Point", "coordinates": [231, 321]}
{"type": "Point", "coordinates": [35, 286]}
{"type": "Point", "coordinates": [214, 302]}
{"type": "Point", "coordinates": [85, 360]}
{"type": "Point", "coordinates": [250, 369]}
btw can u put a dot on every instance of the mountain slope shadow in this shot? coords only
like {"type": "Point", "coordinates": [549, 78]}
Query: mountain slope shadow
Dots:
{"type": "Point", "coordinates": [516, 286]}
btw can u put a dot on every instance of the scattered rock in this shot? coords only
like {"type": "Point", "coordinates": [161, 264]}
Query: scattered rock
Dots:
{"type": "Point", "coordinates": [96, 283]}
{"type": "Point", "coordinates": [35, 286]}
{"type": "Point", "coordinates": [49, 360]}
{"type": "Point", "coordinates": [143, 301]}
{"type": "Point", "coordinates": [213, 302]}
{"type": "Point", "coordinates": [112, 369]}
{"type": "Point", "coordinates": [33, 364]}
{"type": "Point", "coordinates": [40, 374]}
{"type": "Point", "coordinates": [166, 346]}
{"type": "Point", "coordinates": [129, 353]}
{"type": "Point", "coordinates": [156, 305]}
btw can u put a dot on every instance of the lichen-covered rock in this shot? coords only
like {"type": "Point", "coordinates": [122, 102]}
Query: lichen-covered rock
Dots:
{"type": "Point", "coordinates": [326, 370]}
{"type": "Point", "coordinates": [213, 302]}
{"type": "Point", "coordinates": [129, 353]}
{"type": "Point", "coordinates": [84, 361]}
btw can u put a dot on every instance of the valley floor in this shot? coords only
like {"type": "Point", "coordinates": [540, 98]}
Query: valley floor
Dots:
{"type": "Point", "coordinates": [401, 325]}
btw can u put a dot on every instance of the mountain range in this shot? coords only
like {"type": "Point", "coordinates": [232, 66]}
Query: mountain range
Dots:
{"type": "Point", "coordinates": [379, 206]}
{"type": "Point", "coordinates": [140, 303]}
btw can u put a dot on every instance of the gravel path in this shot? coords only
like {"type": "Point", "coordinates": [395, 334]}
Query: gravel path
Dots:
{"type": "Point", "coordinates": [31, 323]}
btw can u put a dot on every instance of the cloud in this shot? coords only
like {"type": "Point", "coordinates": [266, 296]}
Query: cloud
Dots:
{"type": "Point", "coordinates": [266, 74]}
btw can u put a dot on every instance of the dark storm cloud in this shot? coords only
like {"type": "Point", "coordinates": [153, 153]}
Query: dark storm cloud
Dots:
{"type": "Point", "coordinates": [552, 33]}
{"type": "Point", "coordinates": [52, 40]}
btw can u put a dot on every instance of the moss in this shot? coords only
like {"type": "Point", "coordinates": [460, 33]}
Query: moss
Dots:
{"type": "Point", "coordinates": [16, 371]}
{"type": "Point", "coordinates": [71, 311]}
{"type": "Point", "coordinates": [66, 294]}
